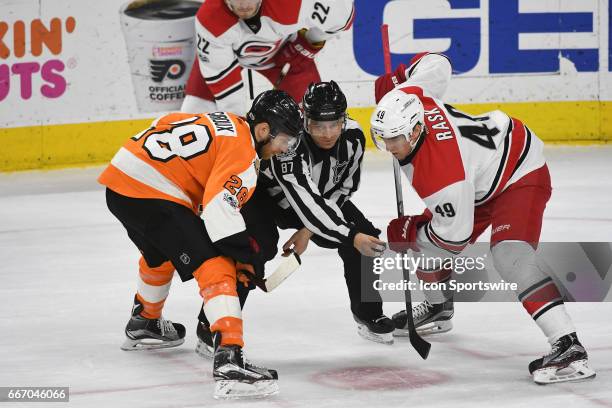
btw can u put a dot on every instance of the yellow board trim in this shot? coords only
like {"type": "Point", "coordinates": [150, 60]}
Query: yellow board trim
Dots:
{"type": "Point", "coordinates": [55, 146]}
{"type": "Point", "coordinates": [571, 123]}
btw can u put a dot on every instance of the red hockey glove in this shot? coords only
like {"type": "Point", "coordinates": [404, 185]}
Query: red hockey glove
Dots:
{"type": "Point", "coordinates": [402, 232]}
{"type": "Point", "coordinates": [297, 52]}
{"type": "Point", "coordinates": [387, 82]}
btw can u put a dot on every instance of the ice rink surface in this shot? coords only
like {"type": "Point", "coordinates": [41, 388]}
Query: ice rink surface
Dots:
{"type": "Point", "coordinates": [67, 273]}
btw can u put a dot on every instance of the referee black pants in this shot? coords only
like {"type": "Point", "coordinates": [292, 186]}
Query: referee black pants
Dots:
{"type": "Point", "coordinates": [262, 217]}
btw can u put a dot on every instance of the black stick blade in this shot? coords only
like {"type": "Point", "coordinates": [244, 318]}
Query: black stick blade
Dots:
{"type": "Point", "coordinates": [421, 346]}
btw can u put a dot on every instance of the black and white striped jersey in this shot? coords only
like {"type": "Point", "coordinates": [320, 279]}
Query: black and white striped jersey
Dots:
{"type": "Point", "coordinates": [315, 183]}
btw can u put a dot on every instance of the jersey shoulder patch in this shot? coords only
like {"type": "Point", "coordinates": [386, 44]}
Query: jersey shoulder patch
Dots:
{"type": "Point", "coordinates": [216, 17]}
{"type": "Point", "coordinates": [283, 157]}
{"type": "Point", "coordinates": [286, 12]}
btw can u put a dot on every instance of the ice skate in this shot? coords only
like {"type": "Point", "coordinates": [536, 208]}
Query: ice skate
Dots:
{"type": "Point", "coordinates": [147, 334]}
{"type": "Point", "coordinates": [428, 319]}
{"type": "Point", "coordinates": [379, 329]}
{"type": "Point", "coordinates": [566, 362]}
{"type": "Point", "coordinates": [236, 378]}
{"type": "Point", "coordinates": [204, 347]}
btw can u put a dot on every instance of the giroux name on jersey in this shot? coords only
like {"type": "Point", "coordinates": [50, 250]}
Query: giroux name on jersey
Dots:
{"type": "Point", "coordinates": [223, 125]}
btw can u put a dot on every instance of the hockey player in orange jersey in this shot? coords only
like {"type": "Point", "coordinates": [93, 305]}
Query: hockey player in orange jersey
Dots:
{"type": "Point", "coordinates": [177, 188]}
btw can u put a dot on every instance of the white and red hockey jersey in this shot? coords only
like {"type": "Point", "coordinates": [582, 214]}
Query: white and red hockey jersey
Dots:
{"type": "Point", "coordinates": [225, 43]}
{"type": "Point", "coordinates": [464, 161]}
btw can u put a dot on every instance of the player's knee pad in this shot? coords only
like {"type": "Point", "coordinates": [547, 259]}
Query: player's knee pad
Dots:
{"type": "Point", "coordinates": [516, 262]}
{"type": "Point", "coordinates": [214, 272]}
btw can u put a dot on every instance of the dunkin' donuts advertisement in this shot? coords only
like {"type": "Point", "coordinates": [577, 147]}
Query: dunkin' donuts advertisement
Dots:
{"type": "Point", "coordinates": [159, 38]}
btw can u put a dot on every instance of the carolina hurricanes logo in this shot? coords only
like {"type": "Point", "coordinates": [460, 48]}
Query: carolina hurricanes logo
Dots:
{"type": "Point", "coordinates": [257, 49]}
{"type": "Point", "coordinates": [161, 69]}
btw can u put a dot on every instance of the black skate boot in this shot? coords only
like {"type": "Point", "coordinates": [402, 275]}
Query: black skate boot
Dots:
{"type": "Point", "coordinates": [428, 319]}
{"type": "Point", "coordinates": [236, 378]}
{"type": "Point", "coordinates": [147, 334]}
{"type": "Point", "coordinates": [379, 329]}
{"type": "Point", "coordinates": [205, 347]}
{"type": "Point", "coordinates": [567, 361]}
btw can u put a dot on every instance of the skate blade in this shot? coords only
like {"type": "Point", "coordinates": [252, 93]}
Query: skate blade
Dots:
{"type": "Point", "coordinates": [384, 338]}
{"type": "Point", "coordinates": [439, 327]}
{"type": "Point", "coordinates": [233, 389]}
{"type": "Point", "coordinates": [149, 344]}
{"type": "Point", "coordinates": [204, 350]}
{"type": "Point", "coordinates": [575, 372]}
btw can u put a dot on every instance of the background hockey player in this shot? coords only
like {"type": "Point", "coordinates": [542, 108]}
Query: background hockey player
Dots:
{"type": "Point", "coordinates": [310, 190]}
{"type": "Point", "coordinates": [263, 35]}
{"type": "Point", "coordinates": [473, 172]}
{"type": "Point", "coordinates": [158, 183]}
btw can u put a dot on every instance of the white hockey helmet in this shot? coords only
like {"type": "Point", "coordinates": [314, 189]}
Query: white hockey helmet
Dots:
{"type": "Point", "coordinates": [396, 114]}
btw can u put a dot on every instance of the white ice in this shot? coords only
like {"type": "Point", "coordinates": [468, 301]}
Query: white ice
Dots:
{"type": "Point", "coordinates": [67, 273]}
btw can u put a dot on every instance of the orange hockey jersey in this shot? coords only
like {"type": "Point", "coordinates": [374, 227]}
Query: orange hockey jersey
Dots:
{"type": "Point", "coordinates": [206, 162]}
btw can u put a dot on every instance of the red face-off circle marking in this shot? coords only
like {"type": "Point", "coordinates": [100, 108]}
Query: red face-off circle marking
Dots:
{"type": "Point", "coordinates": [379, 378]}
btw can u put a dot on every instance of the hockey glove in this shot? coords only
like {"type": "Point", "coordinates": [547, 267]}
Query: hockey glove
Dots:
{"type": "Point", "coordinates": [402, 231]}
{"type": "Point", "coordinates": [297, 52]}
{"type": "Point", "coordinates": [385, 83]}
{"type": "Point", "coordinates": [250, 274]}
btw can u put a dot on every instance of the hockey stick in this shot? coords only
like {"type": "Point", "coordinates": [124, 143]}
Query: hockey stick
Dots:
{"type": "Point", "coordinates": [250, 79]}
{"type": "Point", "coordinates": [283, 73]}
{"type": "Point", "coordinates": [282, 272]}
{"type": "Point", "coordinates": [421, 346]}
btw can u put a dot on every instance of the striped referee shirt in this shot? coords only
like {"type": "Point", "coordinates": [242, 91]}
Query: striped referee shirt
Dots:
{"type": "Point", "coordinates": [315, 183]}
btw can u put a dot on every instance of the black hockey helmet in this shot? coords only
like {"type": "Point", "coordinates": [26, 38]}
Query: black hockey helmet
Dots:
{"type": "Point", "coordinates": [278, 110]}
{"type": "Point", "coordinates": [324, 101]}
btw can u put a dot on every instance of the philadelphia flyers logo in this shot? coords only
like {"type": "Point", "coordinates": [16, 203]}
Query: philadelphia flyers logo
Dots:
{"type": "Point", "coordinates": [161, 69]}
{"type": "Point", "coordinates": [257, 49]}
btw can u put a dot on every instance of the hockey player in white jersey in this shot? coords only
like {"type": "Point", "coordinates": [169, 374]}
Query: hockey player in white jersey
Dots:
{"type": "Point", "coordinates": [265, 36]}
{"type": "Point", "coordinates": [472, 172]}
